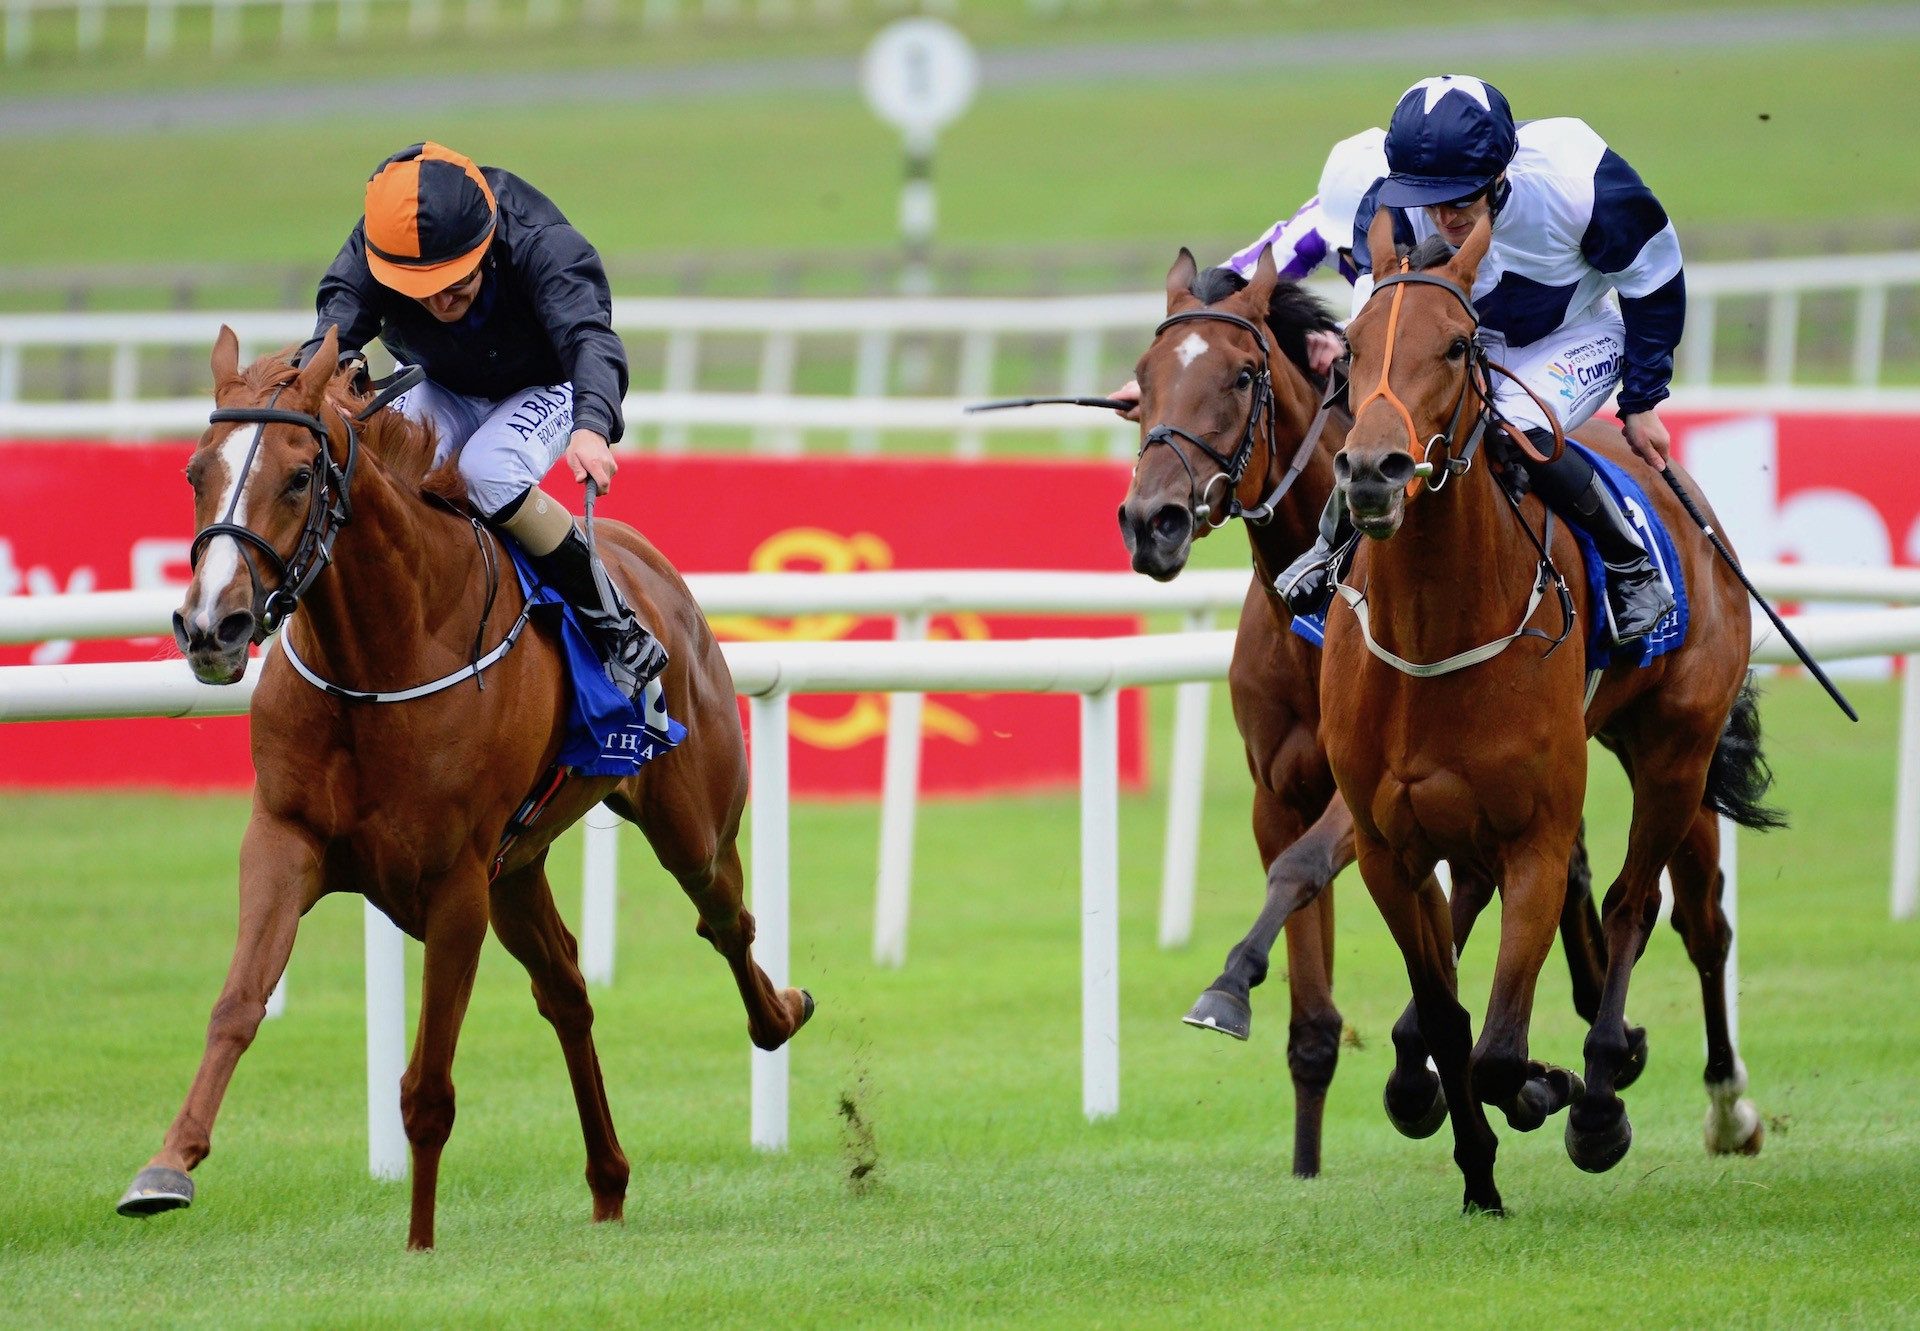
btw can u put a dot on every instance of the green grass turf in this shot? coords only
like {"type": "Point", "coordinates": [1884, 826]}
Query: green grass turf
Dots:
{"type": "Point", "coordinates": [389, 50]}
{"type": "Point", "coordinates": [1174, 161]}
{"type": "Point", "coordinates": [996, 1204]}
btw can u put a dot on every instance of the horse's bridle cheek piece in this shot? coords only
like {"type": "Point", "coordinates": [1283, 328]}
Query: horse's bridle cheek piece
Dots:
{"type": "Point", "coordinates": [329, 508]}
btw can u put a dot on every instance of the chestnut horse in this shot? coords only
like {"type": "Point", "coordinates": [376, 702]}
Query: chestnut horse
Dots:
{"type": "Point", "coordinates": [1226, 367]}
{"type": "Point", "coordinates": [1445, 743]}
{"type": "Point", "coordinates": [407, 804]}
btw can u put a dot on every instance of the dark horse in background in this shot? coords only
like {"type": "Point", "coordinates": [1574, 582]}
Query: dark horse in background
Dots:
{"type": "Point", "coordinates": [407, 803]}
{"type": "Point", "coordinates": [1451, 741]}
{"type": "Point", "coordinates": [1225, 372]}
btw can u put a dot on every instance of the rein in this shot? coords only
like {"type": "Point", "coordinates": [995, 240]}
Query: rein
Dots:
{"type": "Point", "coordinates": [1456, 460]}
{"type": "Point", "coordinates": [329, 509]}
{"type": "Point", "coordinates": [1234, 467]}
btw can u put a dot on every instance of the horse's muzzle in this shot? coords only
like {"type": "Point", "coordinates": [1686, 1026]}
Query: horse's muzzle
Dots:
{"type": "Point", "coordinates": [1158, 538]}
{"type": "Point", "coordinates": [216, 651]}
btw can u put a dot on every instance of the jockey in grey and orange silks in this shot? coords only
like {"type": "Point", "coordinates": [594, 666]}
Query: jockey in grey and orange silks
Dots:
{"type": "Point", "coordinates": [1581, 293]}
{"type": "Point", "coordinates": [475, 276]}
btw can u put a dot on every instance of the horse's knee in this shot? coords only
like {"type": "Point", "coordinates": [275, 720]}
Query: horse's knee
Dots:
{"type": "Point", "coordinates": [426, 1112]}
{"type": "Point", "coordinates": [1313, 1049]}
{"type": "Point", "coordinates": [1606, 1045]}
{"type": "Point", "coordinates": [235, 1021]}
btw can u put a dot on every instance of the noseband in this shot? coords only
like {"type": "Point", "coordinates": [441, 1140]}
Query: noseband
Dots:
{"type": "Point", "coordinates": [329, 505]}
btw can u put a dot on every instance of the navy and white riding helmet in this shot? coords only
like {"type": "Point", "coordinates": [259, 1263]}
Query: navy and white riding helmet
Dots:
{"type": "Point", "coordinates": [1449, 137]}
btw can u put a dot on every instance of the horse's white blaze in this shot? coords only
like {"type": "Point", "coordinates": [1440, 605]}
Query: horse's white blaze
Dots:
{"type": "Point", "coordinates": [222, 558]}
{"type": "Point", "coordinates": [1191, 350]}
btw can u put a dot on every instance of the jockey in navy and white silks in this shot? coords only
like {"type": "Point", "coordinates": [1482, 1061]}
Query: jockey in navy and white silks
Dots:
{"type": "Point", "coordinates": [1581, 291]}
{"type": "Point", "coordinates": [476, 277]}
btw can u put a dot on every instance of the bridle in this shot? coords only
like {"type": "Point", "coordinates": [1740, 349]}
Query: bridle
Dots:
{"type": "Point", "coordinates": [1233, 467]}
{"type": "Point", "coordinates": [329, 508]}
{"type": "Point", "coordinates": [1455, 458]}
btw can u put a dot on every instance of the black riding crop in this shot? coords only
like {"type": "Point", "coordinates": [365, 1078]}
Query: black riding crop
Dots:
{"type": "Point", "coordinates": [1799, 650]}
{"type": "Point", "coordinates": [1111, 404]}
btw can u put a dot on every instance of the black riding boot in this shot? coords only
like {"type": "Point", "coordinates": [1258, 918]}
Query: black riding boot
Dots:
{"type": "Point", "coordinates": [631, 655]}
{"type": "Point", "coordinates": [1636, 597]}
{"type": "Point", "coordinates": [1306, 585]}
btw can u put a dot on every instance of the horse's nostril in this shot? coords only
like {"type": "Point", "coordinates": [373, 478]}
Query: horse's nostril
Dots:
{"type": "Point", "coordinates": [1397, 468]}
{"type": "Point", "coordinates": [180, 632]}
{"type": "Point", "coordinates": [235, 629]}
{"type": "Point", "coordinates": [1342, 468]}
{"type": "Point", "coordinates": [1171, 523]}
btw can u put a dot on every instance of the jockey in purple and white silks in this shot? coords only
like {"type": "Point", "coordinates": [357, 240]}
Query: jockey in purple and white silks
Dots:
{"type": "Point", "coordinates": [1581, 292]}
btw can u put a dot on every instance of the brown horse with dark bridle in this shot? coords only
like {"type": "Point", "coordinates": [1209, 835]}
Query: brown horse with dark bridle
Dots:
{"type": "Point", "coordinates": [1224, 373]}
{"type": "Point", "coordinates": [1454, 734]}
{"type": "Point", "coordinates": [409, 804]}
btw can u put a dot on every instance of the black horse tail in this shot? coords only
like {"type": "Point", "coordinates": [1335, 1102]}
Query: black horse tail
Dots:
{"type": "Point", "coordinates": [1738, 778]}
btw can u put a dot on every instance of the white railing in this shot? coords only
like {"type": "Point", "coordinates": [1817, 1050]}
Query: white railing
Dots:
{"type": "Point", "coordinates": [769, 674]}
{"type": "Point", "coordinates": [1087, 329]}
{"type": "Point", "coordinates": [1198, 596]}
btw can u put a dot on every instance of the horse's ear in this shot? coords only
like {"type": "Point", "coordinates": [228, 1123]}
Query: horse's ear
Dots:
{"type": "Point", "coordinates": [1466, 261]}
{"type": "Point", "coordinates": [226, 358]}
{"type": "Point", "coordinates": [317, 373]}
{"type": "Point", "coordinates": [1380, 243]}
{"type": "Point", "coordinates": [1180, 279]}
{"type": "Point", "coordinates": [1261, 281]}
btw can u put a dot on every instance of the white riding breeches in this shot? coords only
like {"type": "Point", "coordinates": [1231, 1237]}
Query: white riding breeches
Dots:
{"type": "Point", "coordinates": [1574, 369]}
{"type": "Point", "coordinates": [504, 445]}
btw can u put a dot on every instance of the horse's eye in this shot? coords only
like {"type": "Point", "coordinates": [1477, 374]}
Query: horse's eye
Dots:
{"type": "Point", "coordinates": [298, 482]}
{"type": "Point", "coordinates": [1457, 349]}
{"type": "Point", "coordinates": [1245, 379]}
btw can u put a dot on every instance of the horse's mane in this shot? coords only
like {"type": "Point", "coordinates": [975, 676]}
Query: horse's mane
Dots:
{"type": "Point", "coordinates": [1433, 252]}
{"type": "Point", "coordinates": [405, 448]}
{"type": "Point", "coordinates": [1292, 313]}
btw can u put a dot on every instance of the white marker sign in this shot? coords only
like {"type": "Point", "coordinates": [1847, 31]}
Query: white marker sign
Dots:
{"type": "Point", "coordinates": [919, 74]}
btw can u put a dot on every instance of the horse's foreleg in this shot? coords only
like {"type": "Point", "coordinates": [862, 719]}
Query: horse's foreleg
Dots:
{"type": "Point", "coordinates": [279, 880]}
{"type": "Point", "coordinates": [774, 1016]}
{"type": "Point", "coordinates": [1733, 1123]}
{"type": "Point", "coordinates": [1416, 914]}
{"type": "Point", "coordinates": [1313, 1032]}
{"type": "Point", "coordinates": [1415, 1103]}
{"type": "Point", "coordinates": [1299, 867]}
{"type": "Point", "coordinates": [1532, 891]}
{"type": "Point", "coordinates": [530, 928]}
{"type": "Point", "coordinates": [456, 925]}
{"type": "Point", "coordinates": [1586, 949]}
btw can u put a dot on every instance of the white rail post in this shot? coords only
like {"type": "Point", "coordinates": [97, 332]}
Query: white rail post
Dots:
{"type": "Point", "coordinates": [656, 14]}
{"type": "Point", "coordinates": [778, 355]}
{"type": "Point", "coordinates": [350, 23]}
{"type": "Point", "coordinates": [681, 374]}
{"type": "Point", "coordinates": [770, 904]}
{"type": "Point", "coordinates": [423, 18]}
{"type": "Point", "coordinates": [386, 1044]}
{"type": "Point", "coordinates": [277, 1000]}
{"type": "Point", "coordinates": [1869, 335]}
{"type": "Point", "coordinates": [1186, 785]}
{"type": "Point", "coordinates": [225, 38]}
{"type": "Point", "coordinates": [1100, 904]}
{"type": "Point", "coordinates": [1082, 379]}
{"type": "Point", "coordinates": [19, 31]}
{"type": "Point", "coordinates": [1906, 800]}
{"type": "Point", "coordinates": [1696, 346]}
{"type": "Point", "coordinates": [899, 797]}
{"type": "Point", "coordinates": [10, 372]}
{"type": "Point", "coordinates": [600, 893]}
{"type": "Point", "coordinates": [296, 22]}
{"type": "Point", "coordinates": [872, 365]}
{"type": "Point", "coordinates": [159, 28]}
{"type": "Point", "coordinates": [89, 26]}
{"type": "Point", "coordinates": [1730, 907]}
{"type": "Point", "coordinates": [975, 382]}
{"type": "Point", "coordinates": [1783, 337]}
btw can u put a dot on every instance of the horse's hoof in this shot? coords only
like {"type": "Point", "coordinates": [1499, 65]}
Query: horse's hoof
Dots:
{"type": "Point", "coordinates": [1424, 1124]}
{"type": "Point", "coordinates": [1490, 1206]}
{"type": "Point", "coordinates": [1542, 1097]}
{"type": "Point", "coordinates": [155, 1189]}
{"type": "Point", "coordinates": [1599, 1150]}
{"type": "Point", "coordinates": [806, 1007]}
{"type": "Point", "coordinates": [1216, 1010]}
{"type": "Point", "coordinates": [1636, 1058]}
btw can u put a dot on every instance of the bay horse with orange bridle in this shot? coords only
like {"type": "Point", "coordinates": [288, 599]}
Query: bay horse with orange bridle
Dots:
{"type": "Point", "coordinates": [409, 804]}
{"type": "Point", "coordinates": [1449, 740]}
{"type": "Point", "coordinates": [1226, 367]}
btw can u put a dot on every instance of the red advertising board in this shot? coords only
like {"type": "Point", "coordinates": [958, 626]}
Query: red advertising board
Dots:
{"type": "Point", "coordinates": [84, 517]}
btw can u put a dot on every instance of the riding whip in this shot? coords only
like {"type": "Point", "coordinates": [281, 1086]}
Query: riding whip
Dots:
{"type": "Point", "coordinates": [1806, 657]}
{"type": "Point", "coordinates": [1111, 404]}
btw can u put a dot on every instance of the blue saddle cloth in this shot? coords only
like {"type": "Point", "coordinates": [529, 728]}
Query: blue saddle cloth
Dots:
{"type": "Point", "coordinates": [1667, 636]}
{"type": "Point", "coordinates": [608, 734]}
